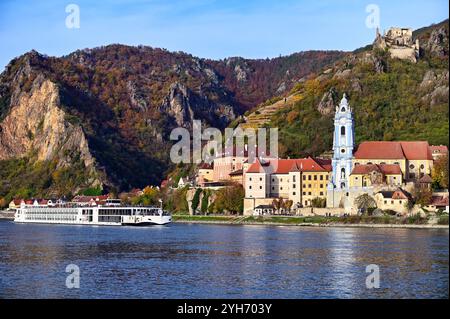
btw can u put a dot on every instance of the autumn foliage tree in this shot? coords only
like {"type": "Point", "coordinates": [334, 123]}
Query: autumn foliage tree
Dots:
{"type": "Point", "coordinates": [440, 173]}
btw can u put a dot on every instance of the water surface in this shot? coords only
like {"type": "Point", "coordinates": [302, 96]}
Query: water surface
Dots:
{"type": "Point", "coordinates": [221, 261]}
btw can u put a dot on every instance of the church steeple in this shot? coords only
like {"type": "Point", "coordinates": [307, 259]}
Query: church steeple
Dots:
{"type": "Point", "coordinates": [343, 143]}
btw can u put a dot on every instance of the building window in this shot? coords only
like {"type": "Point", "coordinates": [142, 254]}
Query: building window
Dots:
{"type": "Point", "coordinates": [315, 177]}
{"type": "Point", "coordinates": [304, 193]}
{"type": "Point", "coordinates": [342, 130]}
{"type": "Point", "coordinates": [250, 187]}
{"type": "Point", "coordinates": [411, 166]}
{"type": "Point", "coordinates": [293, 178]}
{"type": "Point", "coordinates": [422, 166]}
{"type": "Point", "coordinates": [250, 179]}
{"type": "Point", "coordinates": [304, 185]}
{"type": "Point", "coordinates": [309, 193]}
{"type": "Point", "coordinates": [309, 185]}
{"type": "Point", "coordinates": [281, 188]}
{"type": "Point", "coordinates": [412, 176]}
{"type": "Point", "coordinates": [309, 177]}
{"type": "Point", "coordinates": [293, 186]}
{"type": "Point", "coordinates": [385, 202]}
{"type": "Point", "coordinates": [321, 185]}
{"type": "Point", "coordinates": [260, 187]}
{"type": "Point", "coordinates": [273, 179]}
{"type": "Point", "coordinates": [273, 188]}
{"type": "Point", "coordinates": [304, 177]}
{"type": "Point", "coordinates": [260, 179]}
{"type": "Point", "coordinates": [321, 177]}
{"type": "Point", "coordinates": [321, 193]}
{"type": "Point", "coordinates": [293, 193]}
{"type": "Point", "coordinates": [343, 173]}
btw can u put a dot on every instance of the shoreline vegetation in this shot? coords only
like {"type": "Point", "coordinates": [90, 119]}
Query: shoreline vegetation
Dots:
{"type": "Point", "coordinates": [317, 221]}
{"type": "Point", "coordinates": [416, 222]}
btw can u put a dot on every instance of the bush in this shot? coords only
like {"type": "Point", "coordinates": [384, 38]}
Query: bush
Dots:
{"type": "Point", "coordinates": [443, 220]}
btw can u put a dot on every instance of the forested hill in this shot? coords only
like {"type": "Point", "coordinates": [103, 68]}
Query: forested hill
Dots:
{"type": "Point", "coordinates": [101, 118]}
{"type": "Point", "coordinates": [391, 99]}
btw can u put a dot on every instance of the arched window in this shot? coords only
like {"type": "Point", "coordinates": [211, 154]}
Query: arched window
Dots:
{"type": "Point", "coordinates": [343, 173]}
{"type": "Point", "coordinates": [343, 109]}
{"type": "Point", "coordinates": [342, 130]}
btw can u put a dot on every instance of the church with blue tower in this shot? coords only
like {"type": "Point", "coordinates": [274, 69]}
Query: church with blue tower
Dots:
{"type": "Point", "coordinates": [338, 191]}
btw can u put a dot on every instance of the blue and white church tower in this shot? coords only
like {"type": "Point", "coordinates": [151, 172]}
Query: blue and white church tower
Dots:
{"type": "Point", "coordinates": [342, 163]}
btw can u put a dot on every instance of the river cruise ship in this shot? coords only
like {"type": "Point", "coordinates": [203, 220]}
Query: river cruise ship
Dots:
{"type": "Point", "coordinates": [109, 214]}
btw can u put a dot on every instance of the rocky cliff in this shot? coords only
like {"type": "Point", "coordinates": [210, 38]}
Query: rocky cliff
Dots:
{"type": "Point", "coordinates": [102, 117]}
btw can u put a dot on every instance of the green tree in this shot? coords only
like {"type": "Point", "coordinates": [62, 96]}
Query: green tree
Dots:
{"type": "Point", "coordinates": [196, 199]}
{"type": "Point", "coordinates": [230, 199]}
{"type": "Point", "coordinates": [319, 202]}
{"type": "Point", "coordinates": [364, 202]}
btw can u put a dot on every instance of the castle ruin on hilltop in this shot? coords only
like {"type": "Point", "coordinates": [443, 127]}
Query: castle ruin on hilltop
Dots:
{"type": "Point", "coordinates": [399, 42]}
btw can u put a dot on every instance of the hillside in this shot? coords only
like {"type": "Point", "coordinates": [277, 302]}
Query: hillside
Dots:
{"type": "Point", "coordinates": [101, 118]}
{"type": "Point", "coordinates": [392, 99]}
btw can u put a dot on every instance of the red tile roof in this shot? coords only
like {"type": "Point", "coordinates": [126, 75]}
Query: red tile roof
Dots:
{"type": "Point", "coordinates": [164, 183]}
{"type": "Point", "coordinates": [256, 167]}
{"type": "Point", "coordinates": [205, 166]}
{"type": "Point", "coordinates": [386, 169]}
{"type": "Point", "coordinates": [417, 150]}
{"type": "Point", "coordinates": [439, 149]}
{"type": "Point", "coordinates": [284, 166]}
{"type": "Point", "coordinates": [398, 194]}
{"type": "Point", "coordinates": [426, 179]}
{"type": "Point", "coordinates": [439, 201]}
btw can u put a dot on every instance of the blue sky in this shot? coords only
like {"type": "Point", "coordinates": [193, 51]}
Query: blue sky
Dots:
{"type": "Point", "coordinates": [206, 28]}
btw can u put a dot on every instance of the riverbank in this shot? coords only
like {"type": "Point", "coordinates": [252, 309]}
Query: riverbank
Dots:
{"type": "Point", "coordinates": [317, 221]}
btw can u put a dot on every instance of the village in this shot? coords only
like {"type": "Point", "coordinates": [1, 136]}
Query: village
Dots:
{"type": "Point", "coordinates": [375, 177]}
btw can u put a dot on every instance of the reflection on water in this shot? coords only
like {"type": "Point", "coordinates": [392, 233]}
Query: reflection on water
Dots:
{"type": "Point", "coordinates": [215, 261]}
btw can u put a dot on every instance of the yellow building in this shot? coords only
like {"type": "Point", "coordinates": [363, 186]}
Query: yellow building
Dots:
{"type": "Point", "coordinates": [413, 158]}
{"type": "Point", "coordinates": [366, 175]}
{"type": "Point", "coordinates": [299, 180]}
{"type": "Point", "coordinates": [393, 200]}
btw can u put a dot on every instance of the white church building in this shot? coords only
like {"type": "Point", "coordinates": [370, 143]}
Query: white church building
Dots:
{"type": "Point", "coordinates": [339, 192]}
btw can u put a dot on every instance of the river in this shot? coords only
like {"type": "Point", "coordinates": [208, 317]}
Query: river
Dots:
{"type": "Point", "coordinates": [221, 261]}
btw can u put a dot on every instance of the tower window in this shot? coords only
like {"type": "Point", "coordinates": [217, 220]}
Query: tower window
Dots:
{"type": "Point", "coordinates": [342, 130]}
{"type": "Point", "coordinates": [343, 173]}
